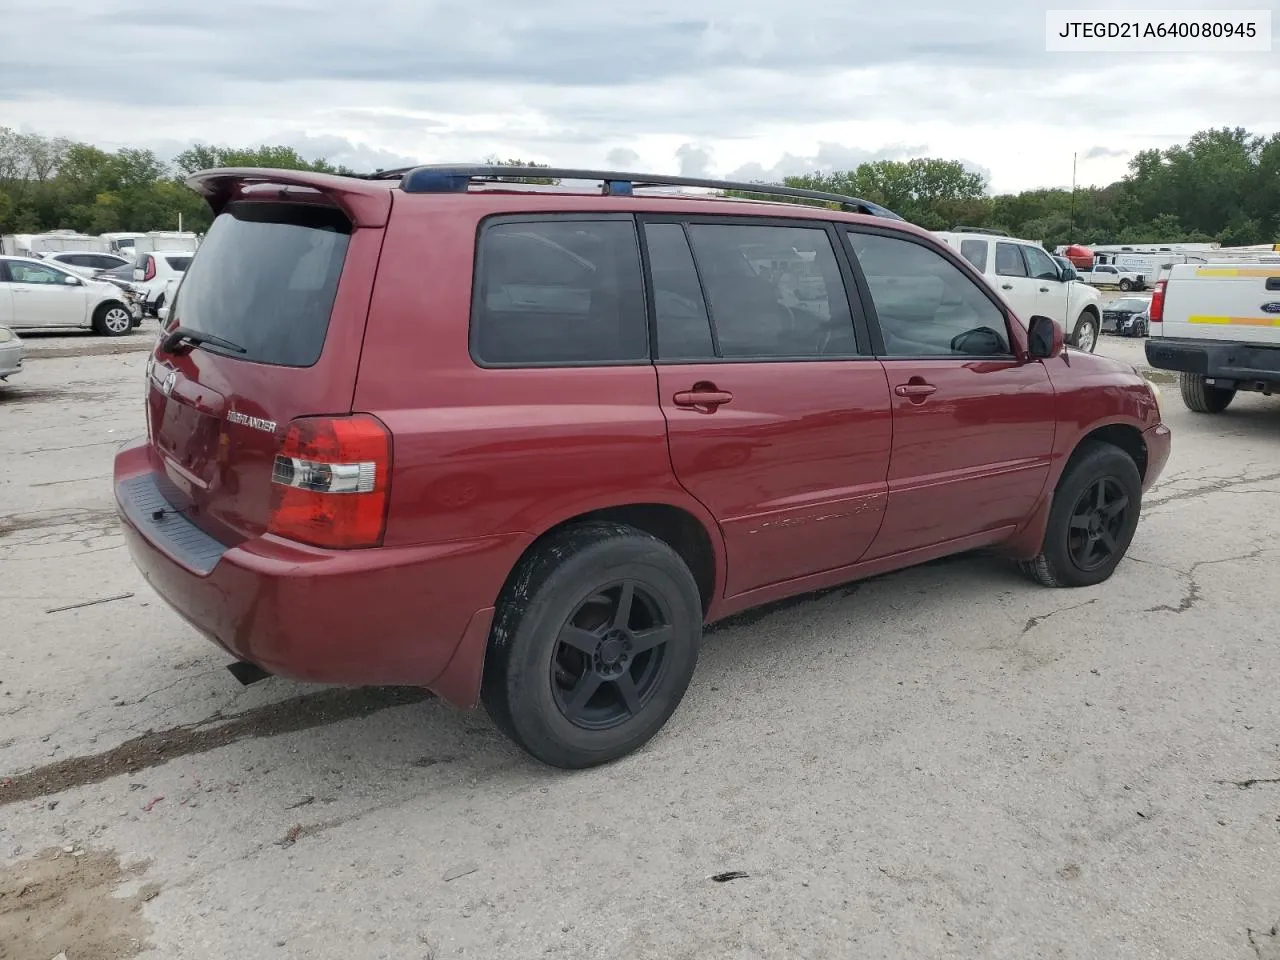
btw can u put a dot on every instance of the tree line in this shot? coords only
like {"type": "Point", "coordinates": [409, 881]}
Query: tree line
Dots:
{"type": "Point", "coordinates": [1221, 185]}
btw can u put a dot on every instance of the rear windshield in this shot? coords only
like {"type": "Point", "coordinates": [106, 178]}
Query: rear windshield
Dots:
{"type": "Point", "coordinates": [265, 278]}
{"type": "Point", "coordinates": [179, 263]}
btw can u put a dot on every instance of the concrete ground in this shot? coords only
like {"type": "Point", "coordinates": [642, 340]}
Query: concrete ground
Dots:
{"type": "Point", "coordinates": [946, 762]}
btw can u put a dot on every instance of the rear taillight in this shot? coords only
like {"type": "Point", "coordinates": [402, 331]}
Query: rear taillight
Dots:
{"type": "Point", "coordinates": [151, 269]}
{"type": "Point", "coordinates": [1156, 313]}
{"type": "Point", "coordinates": [330, 481]}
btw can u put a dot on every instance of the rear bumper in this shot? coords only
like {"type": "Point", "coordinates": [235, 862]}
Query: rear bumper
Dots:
{"type": "Point", "coordinates": [394, 616]}
{"type": "Point", "coordinates": [1215, 359]}
{"type": "Point", "coordinates": [1159, 441]}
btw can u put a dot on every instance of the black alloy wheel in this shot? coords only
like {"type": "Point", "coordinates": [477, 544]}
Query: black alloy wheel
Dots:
{"type": "Point", "coordinates": [1097, 520]}
{"type": "Point", "coordinates": [610, 656]}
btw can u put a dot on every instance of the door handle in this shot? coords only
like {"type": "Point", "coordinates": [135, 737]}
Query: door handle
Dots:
{"type": "Point", "coordinates": [700, 399]}
{"type": "Point", "coordinates": [1044, 289]}
{"type": "Point", "coordinates": [1006, 286]}
{"type": "Point", "coordinates": [915, 390]}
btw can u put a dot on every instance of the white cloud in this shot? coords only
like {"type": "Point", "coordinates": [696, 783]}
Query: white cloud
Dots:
{"type": "Point", "coordinates": [707, 89]}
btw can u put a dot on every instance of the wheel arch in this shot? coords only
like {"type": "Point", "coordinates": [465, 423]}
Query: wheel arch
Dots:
{"type": "Point", "coordinates": [1025, 544]}
{"type": "Point", "coordinates": [1125, 436]}
{"type": "Point", "coordinates": [696, 539]}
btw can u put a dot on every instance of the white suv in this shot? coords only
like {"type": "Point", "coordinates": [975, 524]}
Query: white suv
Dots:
{"type": "Point", "coordinates": [1031, 282]}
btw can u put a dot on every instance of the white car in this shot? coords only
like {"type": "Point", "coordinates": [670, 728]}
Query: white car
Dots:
{"type": "Point", "coordinates": [153, 271]}
{"type": "Point", "coordinates": [39, 295]}
{"type": "Point", "coordinates": [166, 299]}
{"type": "Point", "coordinates": [10, 353]}
{"type": "Point", "coordinates": [85, 263]}
{"type": "Point", "coordinates": [1031, 282]}
{"type": "Point", "coordinates": [1107, 275]}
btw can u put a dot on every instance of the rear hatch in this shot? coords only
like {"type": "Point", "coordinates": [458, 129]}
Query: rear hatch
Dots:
{"type": "Point", "coordinates": [265, 328]}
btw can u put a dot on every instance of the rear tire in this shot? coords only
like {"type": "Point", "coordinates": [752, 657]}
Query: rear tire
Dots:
{"type": "Point", "coordinates": [1089, 531]}
{"type": "Point", "coordinates": [1200, 397]}
{"type": "Point", "coordinates": [112, 320]}
{"type": "Point", "coordinates": [569, 676]}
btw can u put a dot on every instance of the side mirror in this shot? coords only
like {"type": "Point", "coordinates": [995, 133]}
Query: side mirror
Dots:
{"type": "Point", "coordinates": [1045, 338]}
{"type": "Point", "coordinates": [71, 281]}
{"type": "Point", "coordinates": [1069, 273]}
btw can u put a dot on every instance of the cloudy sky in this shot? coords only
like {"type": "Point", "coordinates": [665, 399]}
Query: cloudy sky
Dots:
{"type": "Point", "coordinates": [710, 87]}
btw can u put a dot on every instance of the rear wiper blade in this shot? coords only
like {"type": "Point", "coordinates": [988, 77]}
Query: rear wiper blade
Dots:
{"type": "Point", "coordinates": [180, 335]}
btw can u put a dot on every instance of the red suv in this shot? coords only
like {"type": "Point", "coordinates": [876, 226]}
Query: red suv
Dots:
{"type": "Point", "coordinates": [517, 444]}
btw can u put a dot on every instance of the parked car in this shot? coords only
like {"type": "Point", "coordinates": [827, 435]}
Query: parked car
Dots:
{"type": "Point", "coordinates": [1108, 275]}
{"type": "Point", "coordinates": [122, 277]}
{"type": "Point", "coordinates": [152, 271]}
{"type": "Point", "coordinates": [1031, 281]}
{"type": "Point", "coordinates": [11, 353]}
{"type": "Point", "coordinates": [166, 298]}
{"type": "Point", "coordinates": [1218, 326]}
{"type": "Point", "coordinates": [462, 440]}
{"type": "Point", "coordinates": [86, 264]}
{"type": "Point", "coordinates": [40, 295]}
{"type": "Point", "coordinates": [1127, 316]}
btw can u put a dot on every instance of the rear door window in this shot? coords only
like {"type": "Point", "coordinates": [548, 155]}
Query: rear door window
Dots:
{"type": "Point", "coordinates": [684, 329]}
{"type": "Point", "coordinates": [558, 291]}
{"type": "Point", "coordinates": [775, 292]}
{"type": "Point", "coordinates": [178, 263]}
{"type": "Point", "coordinates": [975, 251]}
{"type": "Point", "coordinates": [265, 279]}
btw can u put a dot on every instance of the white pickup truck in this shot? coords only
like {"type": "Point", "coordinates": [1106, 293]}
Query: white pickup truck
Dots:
{"type": "Point", "coordinates": [1110, 275]}
{"type": "Point", "coordinates": [1032, 282]}
{"type": "Point", "coordinates": [1218, 326]}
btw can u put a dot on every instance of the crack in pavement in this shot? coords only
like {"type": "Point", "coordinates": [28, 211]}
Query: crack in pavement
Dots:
{"type": "Point", "coordinates": [1195, 592]}
{"type": "Point", "coordinates": [1272, 949]}
{"type": "Point", "coordinates": [1216, 487]}
{"type": "Point", "coordinates": [156, 747]}
{"type": "Point", "coordinates": [1036, 621]}
{"type": "Point", "coordinates": [1248, 784]}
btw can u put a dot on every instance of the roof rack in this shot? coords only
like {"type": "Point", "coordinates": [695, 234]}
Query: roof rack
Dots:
{"type": "Point", "coordinates": [986, 230]}
{"type": "Point", "coordinates": [452, 178]}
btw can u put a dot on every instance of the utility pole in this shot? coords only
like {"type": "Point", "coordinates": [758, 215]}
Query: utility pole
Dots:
{"type": "Point", "coordinates": [1071, 231]}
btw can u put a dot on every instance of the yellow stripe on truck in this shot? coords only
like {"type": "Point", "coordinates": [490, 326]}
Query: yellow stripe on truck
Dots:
{"type": "Point", "coordinates": [1238, 271]}
{"type": "Point", "coordinates": [1240, 321]}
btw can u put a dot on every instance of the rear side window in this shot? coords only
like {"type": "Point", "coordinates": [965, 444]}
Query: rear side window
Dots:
{"type": "Point", "coordinates": [975, 251]}
{"type": "Point", "coordinates": [178, 263]}
{"type": "Point", "coordinates": [265, 279]}
{"type": "Point", "coordinates": [559, 291]}
{"type": "Point", "coordinates": [775, 292]}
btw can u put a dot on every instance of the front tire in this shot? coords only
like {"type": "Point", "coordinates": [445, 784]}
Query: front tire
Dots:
{"type": "Point", "coordinates": [1200, 397]}
{"type": "Point", "coordinates": [1085, 337]}
{"type": "Point", "coordinates": [1125, 285]}
{"type": "Point", "coordinates": [593, 646]}
{"type": "Point", "coordinates": [112, 320]}
{"type": "Point", "coordinates": [1092, 521]}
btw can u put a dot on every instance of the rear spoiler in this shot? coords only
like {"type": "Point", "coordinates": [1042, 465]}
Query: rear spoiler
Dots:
{"type": "Point", "coordinates": [366, 202]}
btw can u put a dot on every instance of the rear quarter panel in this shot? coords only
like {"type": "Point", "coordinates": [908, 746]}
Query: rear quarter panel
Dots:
{"type": "Point", "coordinates": [485, 452]}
